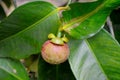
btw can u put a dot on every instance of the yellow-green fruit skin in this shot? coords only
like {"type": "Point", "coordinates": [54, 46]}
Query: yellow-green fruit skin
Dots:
{"type": "Point", "coordinates": [54, 53]}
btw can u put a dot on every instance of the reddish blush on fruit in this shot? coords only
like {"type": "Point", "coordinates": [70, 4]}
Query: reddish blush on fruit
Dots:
{"type": "Point", "coordinates": [54, 53]}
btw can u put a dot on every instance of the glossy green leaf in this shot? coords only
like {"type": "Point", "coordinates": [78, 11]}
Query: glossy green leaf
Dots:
{"type": "Point", "coordinates": [27, 28]}
{"type": "Point", "coordinates": [54, 72]}
{"type": "Point", "coordinates": [97, 58]}
{"type": "Point", "coordinates": [84, 20]}
{"type": "Point", "coordinates": [11, 69]}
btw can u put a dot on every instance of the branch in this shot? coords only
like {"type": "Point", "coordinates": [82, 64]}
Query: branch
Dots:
{"type": "Point", "coordinates": [110, 26]}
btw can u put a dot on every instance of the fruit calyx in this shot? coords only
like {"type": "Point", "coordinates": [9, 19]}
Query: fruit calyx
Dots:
{"type": "Point", "coordinates": [57, 40]}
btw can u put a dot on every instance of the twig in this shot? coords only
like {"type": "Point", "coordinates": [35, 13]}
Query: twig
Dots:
{"type": "Point", "coordinates": [109, 23]}
{"type": "Point", "coordinates": [14, 3]}
{"type": "Point", "coordinates": [69, 1]}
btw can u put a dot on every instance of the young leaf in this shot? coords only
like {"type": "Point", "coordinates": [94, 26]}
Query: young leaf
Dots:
{"type": "Point", "coordinates": [97, 58]}
{"type": "Point", "coordinates": [84, 20]}
{"type": "Point", "coordinates": [54, 72]}
{"type": "Point", "coordinates": [12, 70]}
{"type": "Point", "coordinates": [26, 29]}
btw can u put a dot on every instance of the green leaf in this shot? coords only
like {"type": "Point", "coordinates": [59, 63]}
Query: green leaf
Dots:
{"type": "Point", "coordinates": [84, 20]}
{"type": "Point", "coordinates": [54, 72]}
{"type": "Point", "coordinates": [27, 28]}
{"type": "Point", "coordinates": [97, 58]}
{"type": "Point", "coordinates": [112, 3]}
{"type": "Point", "coordinates": [11, 69]}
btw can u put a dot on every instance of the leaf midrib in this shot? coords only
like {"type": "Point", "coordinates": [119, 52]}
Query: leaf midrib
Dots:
{"type": "Point", "coordinates": [31, 26]}
{"type": "Point", "coordinates": [11, 72]}
{"type": "Point", "coordinates": [68, 25]}
{"type": "Point", "coordinates": [92, 52]}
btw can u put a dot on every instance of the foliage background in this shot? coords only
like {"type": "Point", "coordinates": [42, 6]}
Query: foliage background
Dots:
{"type": "Point", "coordinates": [115, 15]}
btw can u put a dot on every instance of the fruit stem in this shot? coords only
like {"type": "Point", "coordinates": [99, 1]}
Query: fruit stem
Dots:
{"type": "Point", "coordinates": [69, 1]}
{"type": "Point", "coordinates": [63, 8]}
{"type": "Point", "coordinates": [59, 34]}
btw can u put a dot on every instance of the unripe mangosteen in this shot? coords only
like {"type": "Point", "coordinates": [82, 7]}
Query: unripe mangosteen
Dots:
{"type": "Point", "coordinates": [54, 53]}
